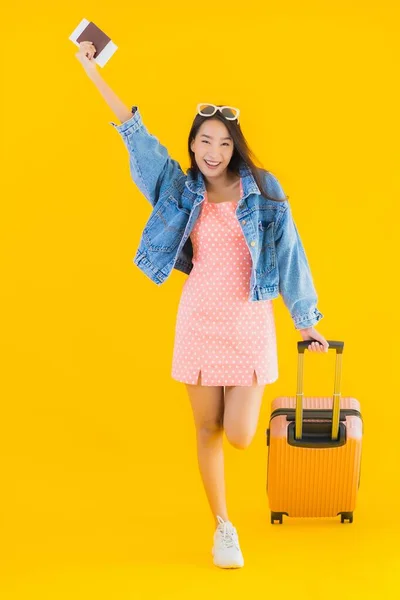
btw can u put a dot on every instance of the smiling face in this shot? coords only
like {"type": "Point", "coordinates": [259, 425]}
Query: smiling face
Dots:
{"type": "Point", "coordinates": [214, 145]}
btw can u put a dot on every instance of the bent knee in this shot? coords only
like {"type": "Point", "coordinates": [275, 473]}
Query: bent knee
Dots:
{"type": "Point", "coordinates": [209, 429]}
{"type": "Point", "coordinates": [239, 441]}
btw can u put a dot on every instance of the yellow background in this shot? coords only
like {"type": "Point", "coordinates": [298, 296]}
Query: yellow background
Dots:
{"type": "Point", "coordinates": [101, 494]}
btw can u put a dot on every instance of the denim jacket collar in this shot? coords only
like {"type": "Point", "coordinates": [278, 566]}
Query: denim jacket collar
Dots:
{"type": "Point", "coordinates": [196, 184]}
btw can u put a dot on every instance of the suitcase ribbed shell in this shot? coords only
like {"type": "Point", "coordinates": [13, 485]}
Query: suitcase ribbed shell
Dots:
{"type": "Point", "coordinates": [313, 482]}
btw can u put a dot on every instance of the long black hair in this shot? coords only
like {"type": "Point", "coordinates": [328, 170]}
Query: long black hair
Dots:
{"type": "Point", "coordinates": [241, 151]}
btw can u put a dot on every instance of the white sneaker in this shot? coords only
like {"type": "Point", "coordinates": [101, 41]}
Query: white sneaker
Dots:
{"type": "Point", "coordinates": [226, 550]}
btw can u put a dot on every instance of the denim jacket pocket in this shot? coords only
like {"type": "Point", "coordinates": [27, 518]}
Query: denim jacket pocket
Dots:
{"type": "Point", "coordinates": [166, 226]}
{"type": "Point", "coordinates": [267, 257]}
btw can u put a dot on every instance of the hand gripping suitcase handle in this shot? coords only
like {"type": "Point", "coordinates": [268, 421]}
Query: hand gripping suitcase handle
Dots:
{"type": "Point", "coordinates": [333, 345]}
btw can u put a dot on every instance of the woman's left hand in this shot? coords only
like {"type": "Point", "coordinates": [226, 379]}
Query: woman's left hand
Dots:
{"type": "Point", "coordinates": [321, 345]}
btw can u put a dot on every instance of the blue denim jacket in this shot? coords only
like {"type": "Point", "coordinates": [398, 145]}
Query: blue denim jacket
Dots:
{"type": "Point", "coordinates": [279, 262]}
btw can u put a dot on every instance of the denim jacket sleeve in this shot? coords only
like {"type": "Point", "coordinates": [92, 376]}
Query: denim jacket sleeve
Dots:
{"type": "Point", "coordinates": [151, 167]}
{"type": "Point", "coordinates": [295, 280]}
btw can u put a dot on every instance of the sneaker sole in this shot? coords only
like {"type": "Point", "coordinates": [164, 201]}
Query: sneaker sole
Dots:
{"type": "Point", "coordinates": [228, 566]}
{"type": "Point", "coordinates": [231, 566]}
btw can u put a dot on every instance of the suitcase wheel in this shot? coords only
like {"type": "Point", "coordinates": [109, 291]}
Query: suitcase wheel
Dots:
{"type": "Point", "coordinates": [346, 516]}
{"type": "Point", "coordinates": [277, 516]}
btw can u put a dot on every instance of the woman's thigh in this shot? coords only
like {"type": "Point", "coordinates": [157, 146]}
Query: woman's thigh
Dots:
{"type": "Point", "coordinates": [242, 410]}
{"type": "Point", "coordinates": [207, 405]}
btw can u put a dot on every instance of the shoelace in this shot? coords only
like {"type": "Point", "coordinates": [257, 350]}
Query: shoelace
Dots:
{"type": "Point", "coordinates": [228, 539]}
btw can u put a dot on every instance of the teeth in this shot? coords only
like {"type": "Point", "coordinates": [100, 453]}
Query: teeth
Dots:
{"type": "Point", "coordinates": [212, 164]}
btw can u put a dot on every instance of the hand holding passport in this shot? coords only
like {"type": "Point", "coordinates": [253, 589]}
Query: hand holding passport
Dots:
{"type": "Point", "coordinates": [87, 31]}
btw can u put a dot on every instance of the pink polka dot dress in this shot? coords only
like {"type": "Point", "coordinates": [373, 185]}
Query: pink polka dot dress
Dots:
{"type": "Point", "coordinates": [219, 331]}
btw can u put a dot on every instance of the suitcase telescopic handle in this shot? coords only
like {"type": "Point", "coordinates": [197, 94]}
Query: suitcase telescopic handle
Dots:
{"type": "Point", "coordinates": [333, 345]}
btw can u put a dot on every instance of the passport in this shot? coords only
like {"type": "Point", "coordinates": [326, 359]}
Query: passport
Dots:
{"type": "Point", "coordinates": [87, 31]}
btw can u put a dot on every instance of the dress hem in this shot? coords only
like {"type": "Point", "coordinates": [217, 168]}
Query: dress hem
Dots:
{"type": "Point", "coordinates": [267, 382]}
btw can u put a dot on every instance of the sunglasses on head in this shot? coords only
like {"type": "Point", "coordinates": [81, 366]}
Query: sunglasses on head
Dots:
{"type": "Point", "coordinates": [208, 110]}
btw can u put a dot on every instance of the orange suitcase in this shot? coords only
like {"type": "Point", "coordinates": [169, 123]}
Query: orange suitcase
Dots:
{"type": "Point", "coordinates": [314, 451]}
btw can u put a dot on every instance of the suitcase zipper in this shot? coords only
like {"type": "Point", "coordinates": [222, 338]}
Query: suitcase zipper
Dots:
{"type": "Point", "coordinates": [326, 413]}
{"type": "Point", "coordinates": [312, 413]}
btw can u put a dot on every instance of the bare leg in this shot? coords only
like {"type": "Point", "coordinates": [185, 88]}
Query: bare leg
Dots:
{"type": "Point", "coordinates": [242, 410]}
{"type": "Point", "coordinates": [208, 410]}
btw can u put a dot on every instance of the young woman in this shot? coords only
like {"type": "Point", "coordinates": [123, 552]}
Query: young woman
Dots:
{"type": "Point", "coordinates": [228, 225]}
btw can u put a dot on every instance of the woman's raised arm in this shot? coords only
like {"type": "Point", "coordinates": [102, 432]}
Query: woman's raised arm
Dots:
{"type": "Point", "coordinates": [151, 167]}
{"type": "Point", "coordinates": [85, 56]}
